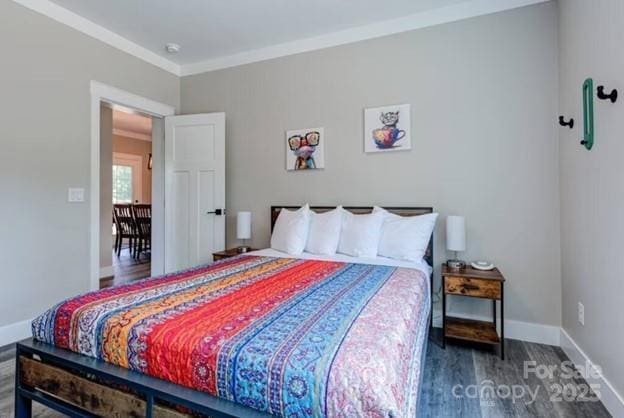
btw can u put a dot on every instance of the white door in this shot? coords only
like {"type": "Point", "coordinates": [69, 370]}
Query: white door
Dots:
{"type": "Point", "coordinates": [194, 189]}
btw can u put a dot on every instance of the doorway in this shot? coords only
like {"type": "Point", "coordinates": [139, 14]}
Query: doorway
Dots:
{"type": "Point", "coordinates": [190, 171]}
{"type": "Point", "coordinates": [125, 191]}
{"type": "Point", "coordinates": [104, 100]}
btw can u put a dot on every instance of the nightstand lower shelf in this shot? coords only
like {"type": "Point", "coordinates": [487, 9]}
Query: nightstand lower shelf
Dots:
{"type": "Point", "coordinates": [471, 330]}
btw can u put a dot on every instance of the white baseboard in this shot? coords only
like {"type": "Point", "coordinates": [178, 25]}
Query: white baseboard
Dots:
{"type": "Point", "coordinates": [15, 332]}
{"type": "Point", "coordinates": [106, 272]}
{"type": "Point", "coordinates": [610, 398]}
{"type": "Point", "coordinates": [531, 332]}
{"type": "Point", "coordinates": [518, 330]}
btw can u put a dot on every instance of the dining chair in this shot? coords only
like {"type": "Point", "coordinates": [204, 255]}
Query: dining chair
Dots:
{"type": "Point", "coordinates": [143, 219]}
{"type": "Point", "coordinates": [117, 243]}
{"type": "Point", "coordinates": [126, 228]}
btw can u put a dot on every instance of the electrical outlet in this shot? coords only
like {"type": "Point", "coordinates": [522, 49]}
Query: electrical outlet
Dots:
{"type": "Point", "coordinates": [581, 314]}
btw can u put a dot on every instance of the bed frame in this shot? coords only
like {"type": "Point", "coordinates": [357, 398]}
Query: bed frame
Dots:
{"type": "Point", "coordinates": [81, 386]}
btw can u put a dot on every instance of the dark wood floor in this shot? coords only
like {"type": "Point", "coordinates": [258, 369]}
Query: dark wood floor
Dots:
{"type": "Point", "coordinates": [469, 381]}
{"type": "Point", "coordinates": [127, 269]}
{"type": "Point", "coordinates": [454, 384]}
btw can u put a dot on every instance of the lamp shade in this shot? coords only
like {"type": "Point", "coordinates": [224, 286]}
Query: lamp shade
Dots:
{"type": "Point", "coordinates": [243, 225]}
{"type": "Point", "coordinates": [455, 233]}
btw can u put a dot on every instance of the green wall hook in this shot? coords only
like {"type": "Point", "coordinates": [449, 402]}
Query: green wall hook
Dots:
{"type": "Point", "coordinates": [588, 114]}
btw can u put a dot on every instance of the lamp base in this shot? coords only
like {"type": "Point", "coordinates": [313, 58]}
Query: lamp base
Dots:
{"type": "Point", "coordinates": [243, 249]}
{"type": "Point", "coordinates": [456, 264]}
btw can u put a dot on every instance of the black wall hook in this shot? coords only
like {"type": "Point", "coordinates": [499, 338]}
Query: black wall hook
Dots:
{"type": "Point", "coordinates": [562, 122]}
{"type": "Point", "coordinates": [611, 96]}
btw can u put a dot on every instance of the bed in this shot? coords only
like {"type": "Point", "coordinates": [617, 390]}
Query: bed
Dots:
{"type": "Point", "coordinates": [261, 334]}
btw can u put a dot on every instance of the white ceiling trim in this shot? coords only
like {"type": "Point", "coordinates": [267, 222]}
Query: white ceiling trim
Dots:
{"type": "Point", "coordinates": [132, 135]}
{"type": "Point", "coordinates": [460, 11]}
{"type": "Point", "coordinates": [71, 19]}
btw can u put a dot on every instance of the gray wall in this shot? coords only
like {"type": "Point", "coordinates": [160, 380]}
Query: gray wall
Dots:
{"type": "Point", "coordinates": [484, 96]}
{"type": "Point", "coordinates": [592, 183]}
{"type": "Point", "coordinates": [44, 141]}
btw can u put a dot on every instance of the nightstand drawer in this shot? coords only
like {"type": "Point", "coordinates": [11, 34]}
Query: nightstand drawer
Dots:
{"type": "Point", "coordinates": [465, 286]}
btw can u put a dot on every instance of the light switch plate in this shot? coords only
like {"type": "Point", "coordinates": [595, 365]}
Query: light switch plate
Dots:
{"type": "Point", "coordinates": [75, 194]}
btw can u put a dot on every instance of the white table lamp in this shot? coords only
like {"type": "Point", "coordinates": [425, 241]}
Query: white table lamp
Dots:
{"type": "Point", "coordinates": [243, 229]}
{"type": "Point", "coordinates": [455, 239]}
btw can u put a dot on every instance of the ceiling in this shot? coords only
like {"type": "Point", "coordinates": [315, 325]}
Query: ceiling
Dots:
{"type": "Point", "coordinates": [216, 34]}
{"type": "Point", "coordinates": [132, 125]}
{"type": "Point", "coordinates": [209, 29]}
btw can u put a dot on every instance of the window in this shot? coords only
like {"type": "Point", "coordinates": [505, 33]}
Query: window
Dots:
{"type": "Point", "coordinates": [122, 184]}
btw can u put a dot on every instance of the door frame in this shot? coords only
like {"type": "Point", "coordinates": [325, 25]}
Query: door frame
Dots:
{"type": "Point", "coordinates": [103, 93]}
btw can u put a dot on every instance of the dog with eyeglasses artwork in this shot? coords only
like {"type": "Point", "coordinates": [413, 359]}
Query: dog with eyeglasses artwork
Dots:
{"type": "Point", "coordinates": [305, 149]}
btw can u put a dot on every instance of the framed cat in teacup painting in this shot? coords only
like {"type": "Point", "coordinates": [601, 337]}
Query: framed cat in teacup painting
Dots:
{"type": "Point", "coordinates": [387, 128]}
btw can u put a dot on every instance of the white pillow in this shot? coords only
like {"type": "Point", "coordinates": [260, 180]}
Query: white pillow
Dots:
{"type": "Point", "coordinates": [405, 237]}
{"type": "Point", "coordinates": [290, 232]}
{"type": "Point", "coordinates": [324, 233]}
{"type": "Point", "coordinates": [360, 234]}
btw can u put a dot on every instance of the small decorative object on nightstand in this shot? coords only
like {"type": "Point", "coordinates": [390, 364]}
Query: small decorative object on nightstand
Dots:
{"type": "Point", "coordinates": [455, 239]}
{"type": "Point", "coordinates": [243, 229]}
{"type": "Point", "coordinates": [231, 252]}
{"type": "Point", "coordinates": [474, 283]}
{"type": "Point", "coordinates": [482, 265]}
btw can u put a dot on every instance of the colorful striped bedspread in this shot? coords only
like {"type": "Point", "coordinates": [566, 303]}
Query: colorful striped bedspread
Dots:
{"type": "Point", "coordinates": [291, 337]}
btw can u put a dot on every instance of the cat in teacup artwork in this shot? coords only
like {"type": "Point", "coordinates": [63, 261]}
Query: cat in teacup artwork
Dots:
{"type": "Point", "coordinates": [387, 136]}
{"type": "Point", "coordinates": [303, 147]}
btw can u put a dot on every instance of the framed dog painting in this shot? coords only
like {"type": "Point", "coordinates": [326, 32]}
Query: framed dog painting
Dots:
{"type": "Point", "coordinates": [387, 128]}
{"type": "Point", "coordinates": [305, 149]}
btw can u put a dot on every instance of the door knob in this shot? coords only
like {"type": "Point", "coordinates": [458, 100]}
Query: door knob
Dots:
{"type": "Point", "coordinates": [217, 212]}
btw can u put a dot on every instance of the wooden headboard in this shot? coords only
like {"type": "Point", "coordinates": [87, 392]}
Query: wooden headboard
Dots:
{"type": "Point", "coordinates": [401, 211]}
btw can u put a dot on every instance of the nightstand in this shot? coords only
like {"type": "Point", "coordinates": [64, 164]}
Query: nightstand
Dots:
{"type": "Point", "coordinates": [470, 282]}
{"type": "Point", "coordinates": [230, 252]}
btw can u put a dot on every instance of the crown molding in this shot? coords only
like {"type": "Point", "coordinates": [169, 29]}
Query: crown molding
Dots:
{"type": "Point", "coordinates": [75, 21]}
{"type": "Point", "coordinates": [132, 135]}
{"type": "Point", "coordinates": [453, 13]}
{"type": "Point", "coordinates": [460, 11]}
